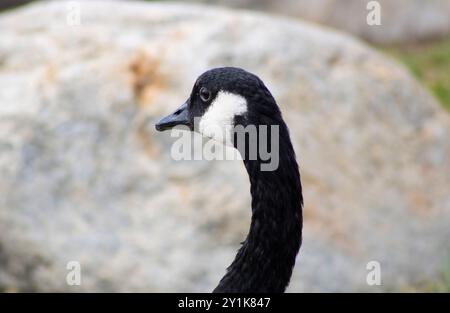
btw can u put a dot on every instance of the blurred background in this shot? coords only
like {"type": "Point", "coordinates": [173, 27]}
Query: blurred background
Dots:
{"type": "Point", "coordinates": [84, 177]}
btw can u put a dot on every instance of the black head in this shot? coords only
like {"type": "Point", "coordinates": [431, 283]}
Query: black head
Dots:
{"type": "Point", "coordinates": [221, 99]}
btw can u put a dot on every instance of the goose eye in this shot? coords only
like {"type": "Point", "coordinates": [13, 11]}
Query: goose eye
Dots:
{"type": "Point", "coordinates": [205, 95]}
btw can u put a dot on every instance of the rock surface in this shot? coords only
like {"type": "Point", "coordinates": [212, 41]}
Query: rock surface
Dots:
{"type": "Point", "coordinates": [84, 177]}
{"type": "Point", "coordinates": [402, 21]}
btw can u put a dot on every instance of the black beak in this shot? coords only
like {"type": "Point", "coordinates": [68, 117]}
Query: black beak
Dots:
{"type": "Point", "coordinates": [179, 117]}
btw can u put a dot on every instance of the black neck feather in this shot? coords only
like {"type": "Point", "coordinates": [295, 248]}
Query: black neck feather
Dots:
{"type": "Point", "coordinates": [266, 258]}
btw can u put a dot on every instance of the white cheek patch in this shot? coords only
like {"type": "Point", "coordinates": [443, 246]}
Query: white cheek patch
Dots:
{"type": "Point", "coordinates": [218, 121]}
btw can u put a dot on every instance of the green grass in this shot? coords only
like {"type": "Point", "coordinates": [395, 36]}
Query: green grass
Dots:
{"type": "Point", "coordinates": [441, 284]}
{"type": "Point", "coordinates": [430, 63]}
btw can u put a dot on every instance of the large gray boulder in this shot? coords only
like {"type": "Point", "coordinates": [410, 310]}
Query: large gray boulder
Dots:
{"type": "Point", "coordinates": [84, 177]}
{"type": "Point", "coordinates": [402, 21]}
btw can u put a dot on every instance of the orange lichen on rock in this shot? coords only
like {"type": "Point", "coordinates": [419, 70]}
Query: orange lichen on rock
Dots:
{"type": "Point", "coordinates": [51, 72]}
{"type": "Point", "coordinates": [146, 78]}
{"type": "Point", "coordinates": [420, 204]}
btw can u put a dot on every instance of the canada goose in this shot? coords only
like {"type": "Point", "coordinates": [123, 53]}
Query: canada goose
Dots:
{"type": "Point", "coordinates": [232, 96]}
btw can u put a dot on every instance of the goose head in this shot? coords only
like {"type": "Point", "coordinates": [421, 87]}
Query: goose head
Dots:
{"type": "Point", "coordinates": [221, 99]}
